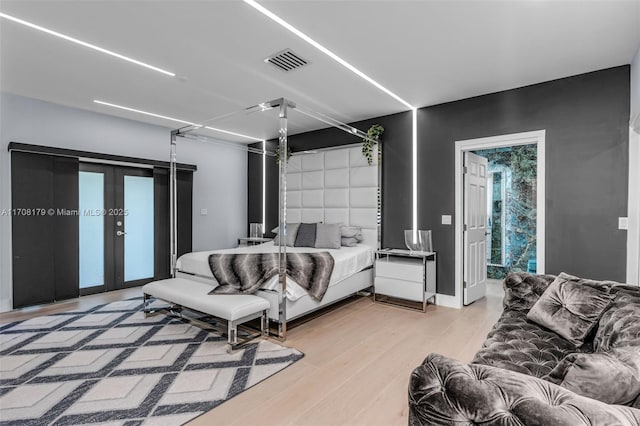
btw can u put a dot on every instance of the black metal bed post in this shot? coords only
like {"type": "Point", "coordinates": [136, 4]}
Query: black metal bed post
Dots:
{"type": "Point", "coordinates": [173, 204]}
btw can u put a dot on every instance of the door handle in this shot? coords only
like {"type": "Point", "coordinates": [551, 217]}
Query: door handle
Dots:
{"type": "Point", "coordinates": [120, 233]}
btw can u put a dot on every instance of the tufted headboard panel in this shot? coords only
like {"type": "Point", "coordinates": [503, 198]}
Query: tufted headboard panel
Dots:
{"type": "Point", "coordinates": [334, 186]}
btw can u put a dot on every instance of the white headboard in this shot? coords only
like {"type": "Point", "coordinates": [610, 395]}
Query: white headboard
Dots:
{"type": "Point", "coordinates": [334, 186]}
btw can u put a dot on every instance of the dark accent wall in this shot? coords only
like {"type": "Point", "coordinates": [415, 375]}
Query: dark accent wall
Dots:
{"type": "Point", "coordinates": [587, 135]}
{"type": "Point", "coordinates": [254, 182]}
{"type": "Point", "coordinates": [586, 121]}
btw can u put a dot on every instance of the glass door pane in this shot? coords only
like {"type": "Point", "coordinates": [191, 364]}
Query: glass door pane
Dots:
{"type": "Point", "coordinates": [91, 206]}
{"type": "Point", "coordinates": [138, 219]}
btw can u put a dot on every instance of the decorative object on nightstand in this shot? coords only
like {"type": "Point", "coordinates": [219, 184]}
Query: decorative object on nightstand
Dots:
{"type": "Point", "coordinates": [255, 230]}
{"type": "Point", "coordinates": [417, 240]}
{"type": "Point", "coordinates": [405, 278]}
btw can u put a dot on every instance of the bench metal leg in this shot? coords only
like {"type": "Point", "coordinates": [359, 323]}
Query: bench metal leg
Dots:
{"type": "Point", "coordinates": [264, 324]}
{"type": "Point", "coordinates": [145, 306]}
{"type": "Point", "coordinates": [232, 330]}
{"type": "Point", "coordinates": [232, 333]}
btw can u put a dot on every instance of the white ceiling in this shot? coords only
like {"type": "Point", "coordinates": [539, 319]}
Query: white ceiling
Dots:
{"type": "Point", "coordinates": [427, 52]}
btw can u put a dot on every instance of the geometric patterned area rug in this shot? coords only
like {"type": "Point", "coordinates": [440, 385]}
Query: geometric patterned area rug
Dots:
{"type": "Point", "coordinates": [111, 365]}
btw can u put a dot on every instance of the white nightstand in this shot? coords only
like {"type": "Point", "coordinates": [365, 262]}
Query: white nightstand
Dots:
{"type": "Point", "coordinates": [403, 276]}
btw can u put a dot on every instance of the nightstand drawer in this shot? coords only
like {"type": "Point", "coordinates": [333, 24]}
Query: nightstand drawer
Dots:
{"type": "Point", "coordinates": [407, 270]}
{"type": "Point", "coordinates": [398, 288]}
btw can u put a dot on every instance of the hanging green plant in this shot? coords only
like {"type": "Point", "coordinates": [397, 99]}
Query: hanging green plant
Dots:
{"type": "Point", "coordinates": [278, 153]}
{"type": "Point", "coordinates": [373, 137]}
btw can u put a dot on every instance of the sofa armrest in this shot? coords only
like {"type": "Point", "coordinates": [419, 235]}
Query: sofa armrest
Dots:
{"type": "Point", "coordinates": [444, 391]}
{"type": "Point", "coordinates": [522, 290]}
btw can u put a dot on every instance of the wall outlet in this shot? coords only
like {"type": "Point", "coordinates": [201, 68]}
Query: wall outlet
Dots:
{"type": "Point", "coordinates": [203, 212]}
{"type": "Point", "coordinates": [446, 219]}
{"type": "Point", "coordinates": [623, 223]}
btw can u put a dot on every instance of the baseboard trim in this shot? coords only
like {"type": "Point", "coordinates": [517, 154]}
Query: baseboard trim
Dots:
{"type": "Point", "coordinates": [5, 305]}
{"type": "Point", "coordinates": [448, 301]}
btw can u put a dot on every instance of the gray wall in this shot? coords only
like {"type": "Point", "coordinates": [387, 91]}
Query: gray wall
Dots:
{"type": "Point", "coordinates": [220, 184]}
{"type": "Point", "coordinates": [586, 122]}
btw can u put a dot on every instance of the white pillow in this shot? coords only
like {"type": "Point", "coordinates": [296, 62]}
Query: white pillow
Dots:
{"type": "Point", "coordinates": [351, 232]}
{"type": "Point", "coordinates": [292, 232]}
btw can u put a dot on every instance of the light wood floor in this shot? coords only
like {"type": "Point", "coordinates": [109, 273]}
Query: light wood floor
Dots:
{"type": "Point", "coordinates": [358, 358]}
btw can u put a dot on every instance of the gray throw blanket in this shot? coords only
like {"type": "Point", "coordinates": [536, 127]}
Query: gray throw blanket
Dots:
{"type": "Point", "coordinates": [244, 273]}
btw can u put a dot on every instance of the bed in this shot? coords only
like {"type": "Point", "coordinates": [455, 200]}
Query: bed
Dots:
{"type": "Point", "coordinates": [351, 273]}
{"type": "Point", "coordinates": [328, 185]}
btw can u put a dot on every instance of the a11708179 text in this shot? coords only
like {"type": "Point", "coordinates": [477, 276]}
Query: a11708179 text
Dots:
{"type": "Point", "coordinates": [62, 212]}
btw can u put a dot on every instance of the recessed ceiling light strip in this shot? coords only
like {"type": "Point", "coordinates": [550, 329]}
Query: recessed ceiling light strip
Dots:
{"type": "Point", "coordinates": [324, 50]}
{"type": "Point", "coordinates": [164, 117]}
{"type": "Point", "coordinates": [84, 43]}
{"type": "Point", "coordinates": [144, 112]}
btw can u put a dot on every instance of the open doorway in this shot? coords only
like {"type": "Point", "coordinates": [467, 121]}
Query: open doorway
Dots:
{"type": "Point", "coordinates": [513, 211]}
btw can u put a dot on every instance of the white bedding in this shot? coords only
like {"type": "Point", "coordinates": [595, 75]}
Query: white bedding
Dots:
{"type": "Point", "coordinates": [348, 261]}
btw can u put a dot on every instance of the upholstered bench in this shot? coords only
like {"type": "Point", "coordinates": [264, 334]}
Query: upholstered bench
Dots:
{"type": "Point", "coordinates": [236, 309]}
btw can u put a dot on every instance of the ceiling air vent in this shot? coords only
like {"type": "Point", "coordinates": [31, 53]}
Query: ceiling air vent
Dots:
{"type": "Point", "coordinates": [286, 60]}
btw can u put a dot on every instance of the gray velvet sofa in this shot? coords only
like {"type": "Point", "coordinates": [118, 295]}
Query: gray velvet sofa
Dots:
{"type": "Point", "coordinates": [586, 372]}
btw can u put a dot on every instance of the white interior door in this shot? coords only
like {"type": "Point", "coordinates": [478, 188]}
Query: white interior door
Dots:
{"type": "Point", "coordinates": [475, 227]}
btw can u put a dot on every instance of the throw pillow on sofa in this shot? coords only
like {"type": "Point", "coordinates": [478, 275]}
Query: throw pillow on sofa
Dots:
{"type": "Point", "coordinates": [620, 324]}
{"type": "Point", "coordinates": [612, 377]}
{"type": "Point", "coordinates": [570, 308]}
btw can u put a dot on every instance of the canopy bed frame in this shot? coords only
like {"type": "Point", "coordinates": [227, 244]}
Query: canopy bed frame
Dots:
{"type": "Point", "coordinates": [328, 185]}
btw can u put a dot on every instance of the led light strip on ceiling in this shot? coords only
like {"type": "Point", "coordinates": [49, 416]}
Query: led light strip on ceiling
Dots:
{"type": "Point", "coordinates": [365, 77]}
{"type": "Point", "coordinates": [85, 44]}
{"type": "Point", "coordinates": [164, 117]}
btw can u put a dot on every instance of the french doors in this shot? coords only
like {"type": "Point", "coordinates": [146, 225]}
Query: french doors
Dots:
{"type": "Point", "coordinates": [116, 227]}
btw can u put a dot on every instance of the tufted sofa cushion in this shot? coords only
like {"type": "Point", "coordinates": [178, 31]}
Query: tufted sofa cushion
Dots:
{"type": "Point", "coordinates": [522, 290]}
{"type": "Point", "coordinates": [571, 307]}
{"type": "Point", "coordinates": [517, 344]}
{"type": "Point", "coordinates": [620, 324]}
{"type": "Point", "coordinates": [443, 391]}
{"type": "Point", "coordinates": [612, 377]}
